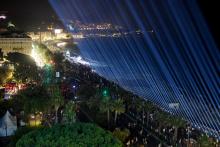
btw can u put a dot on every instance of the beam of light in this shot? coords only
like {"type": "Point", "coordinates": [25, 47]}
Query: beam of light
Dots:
{"type": "Point", "coordinates": [174, 60]}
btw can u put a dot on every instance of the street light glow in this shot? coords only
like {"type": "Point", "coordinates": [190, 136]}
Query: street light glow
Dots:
{"type": "Point", "coordinates": [37, 58]}
{"type": "Point", "coordinates": [58, 31]}
{"type": "Point", "coordinates": [61, 44]}
{"type": "Point", "coordinates": [3, 17]}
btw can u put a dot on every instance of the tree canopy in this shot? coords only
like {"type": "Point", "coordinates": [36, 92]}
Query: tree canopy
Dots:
{"type": "Point", "coordinates": [20, 59]}
{"type": "Point", "coordinates": [1, 54]}
{"type": "Point", "coordinates": [5, 73]}
{"type": "Point", "coordinates": [77, 135]}
{"type": "Point", "coordinates": [34, 99]}
{"type": "Point", "coordinates": [25, 67]}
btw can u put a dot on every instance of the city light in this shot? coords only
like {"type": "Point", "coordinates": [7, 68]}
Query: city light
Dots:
{"type": "Point", "coordinates": [35, 120]}
{"type": "Point", "coordinates": [171, 63]}
{"type": "Point", "coordinates": [78, 36]}
{"type": "Point", "coordinates": [3, 17]}
{"type": "Point", "coordinates": [61, 44]}
{"type": "Point", "coordinates": [105, 92]}
{"type": "Point", "coordinates": [36, 56]}
{"type": "Point", "coordinates": [58, 31]}
{"type": "Point", "coordinates": [144, 72]}
{"type": "Point", "coordinates": [79, 60]}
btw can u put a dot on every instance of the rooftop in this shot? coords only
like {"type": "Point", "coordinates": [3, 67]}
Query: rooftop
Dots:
{"type": "Point", "coordinates": [13, 34]}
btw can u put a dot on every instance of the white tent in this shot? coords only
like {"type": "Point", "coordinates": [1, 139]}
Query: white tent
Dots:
{"type": "Point", "coordinates": [8, 125]}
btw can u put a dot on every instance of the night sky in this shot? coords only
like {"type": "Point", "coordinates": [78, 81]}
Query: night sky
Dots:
{"type": "Point", "coordinates": [28, 13]}
{"type": "Point", "coordinates": [211, 10]}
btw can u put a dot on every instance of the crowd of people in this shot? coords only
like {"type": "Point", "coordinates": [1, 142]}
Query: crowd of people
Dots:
{"type": "Point", "coordinates": [144, 125]}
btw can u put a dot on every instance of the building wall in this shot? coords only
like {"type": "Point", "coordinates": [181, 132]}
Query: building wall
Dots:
{"type": "Point", "coordinates": [21, 45]}
{"type": "Point", "coordinates": [48, 35]}
{"type": "Point", "coordinates": [43, 36]}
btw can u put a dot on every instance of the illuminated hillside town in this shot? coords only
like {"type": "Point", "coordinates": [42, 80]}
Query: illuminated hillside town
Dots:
{"type": "Point", "coordinates": [109, 73]}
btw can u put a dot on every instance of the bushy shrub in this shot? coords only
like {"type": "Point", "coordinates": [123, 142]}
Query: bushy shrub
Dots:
{"type": "Point", "coordinates": [19, 133]}
{"type": "Point", "coordinates": [121, 134]}
{"type": "Point", "coordinates": [76, 135]}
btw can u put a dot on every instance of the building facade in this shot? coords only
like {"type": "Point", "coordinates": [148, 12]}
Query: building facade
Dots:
{"type": "Point", "coordinates": [16, 44]}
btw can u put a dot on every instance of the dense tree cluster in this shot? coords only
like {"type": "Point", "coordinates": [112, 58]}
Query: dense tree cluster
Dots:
{"type": "Point", "coordinates": [5, 74]}
{"type": "Point", "coordinates": [25, 68]}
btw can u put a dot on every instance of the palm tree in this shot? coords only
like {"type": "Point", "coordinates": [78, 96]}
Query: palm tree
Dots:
{"type": "Point", "coordinates": [57, 99]}
{"type": "Point", "coordinates": [177, 122]}
{"type": "Point", "coordinates": [138, 104]}
{"type": "Point", "coordinates": [204, 141]}
{"type": "Point", "coordinates": [149, 107]}
{"type": "Point", "coordinates": [70, 112]}
{"type": "Point", "coordinates": [34, 99]}
{"type": "Point", "coordinates": [106, 106]}
{"type": "Point", "coordinates": [161, 118]}
{"type": "Point", "coordinates": [4, 72]}
{"type": "Point", "coordinates": [118, 107]}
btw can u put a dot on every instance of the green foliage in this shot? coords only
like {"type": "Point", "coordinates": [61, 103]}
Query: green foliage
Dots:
{"type": "Point", "coordinates": [106, 106]}
{"type": "Point", "coordinates": [118, 106]}
{"type": "Point", "coordinates": [26, 73]}
{"type": "Point", "coordinates": [35, 99]}
{"type": "Point", "coordinates": [20, 59]}
{"type": "Point", "coordinates": [57, 99]}
{"type": "Point", "coordinates": [177, 121]}
{"type": "Point", "coordinates": [19, 133]}
{"type": "Point", "coordinates": [56, 96]}
{"type": "Point", "coordinates": [169, 119]}
{"type": "Point", "coordinates": [148, 106]}
{"type": "Point", "coordinates": [25, 67]}
{"type": "Point", "coordinates": [93, 102]}
{"type": "Point", "coordinates": [69, 113]}
{"type": "Point", "coordinates": [205, 141]}
{"type": "Point", "coordinates": [44, 52]}
{"type": "Point", "coordinates": [138, 104]}
{"type": "Point", "coordinates": [77, 135]}
{"type": "Point", "coordinates": [122, 135]}
{"type": "Point", "coordinates": [4, 72]}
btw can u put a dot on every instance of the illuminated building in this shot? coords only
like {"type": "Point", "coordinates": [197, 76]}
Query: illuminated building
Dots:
{"type": "Point", "coordinates": [12, 40]}
{"type": "Point", "coordinates": [49, 35]}
{"type": "Point", "coordinates": [15, 42]}
{"type": "Point", "coordinates": [41, 36]}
